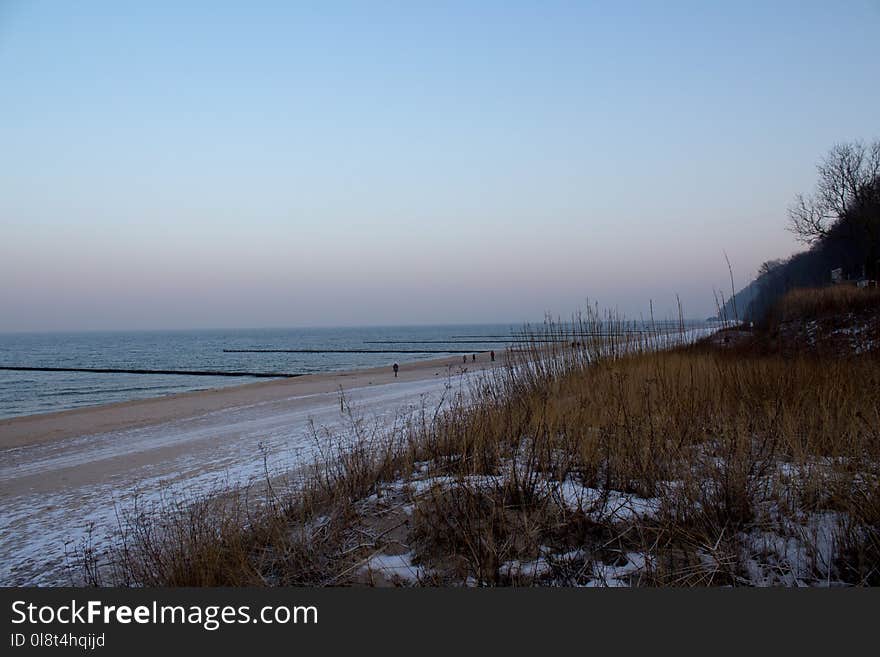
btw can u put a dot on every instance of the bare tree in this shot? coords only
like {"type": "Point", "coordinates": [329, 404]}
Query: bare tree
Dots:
{"type": "Point", "coordinates": [770, 266]}
{"type": "Point", "coordinates": [848, 175]}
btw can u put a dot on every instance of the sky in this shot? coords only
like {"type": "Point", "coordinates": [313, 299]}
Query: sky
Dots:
{"type": "Point", "coordinates": [255, 164]}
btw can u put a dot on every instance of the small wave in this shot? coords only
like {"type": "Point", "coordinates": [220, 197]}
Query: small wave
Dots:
{"type": "Point", "coordinates": [108, 391]}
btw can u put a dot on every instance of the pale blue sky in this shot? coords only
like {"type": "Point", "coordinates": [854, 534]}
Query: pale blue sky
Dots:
{"type": "Point", "coordinates": [227, 164]}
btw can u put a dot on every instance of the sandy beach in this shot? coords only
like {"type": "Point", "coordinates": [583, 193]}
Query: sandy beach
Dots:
{"type": "Point", "coordinates": [40, 428]}
{"type": "Point", "coordinates": [66, 475]}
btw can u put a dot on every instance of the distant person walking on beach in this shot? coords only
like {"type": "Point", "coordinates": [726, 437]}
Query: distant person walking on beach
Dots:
{"type": "Point", "coordinates": [396, 367]}
{"type": "Point", "coordinates": [464, 359]}
{"type": "Point", "coordinates": [492, 356]}
{"type": "Point", "coordinates": [474, 357]}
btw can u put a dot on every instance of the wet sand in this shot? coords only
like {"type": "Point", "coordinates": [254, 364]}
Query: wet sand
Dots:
{"type": "Point", "coordinates": [104, 418]}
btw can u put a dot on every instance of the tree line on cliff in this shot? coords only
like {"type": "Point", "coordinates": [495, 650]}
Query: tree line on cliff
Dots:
{"type": "Point", "coordinates": [839, 222]}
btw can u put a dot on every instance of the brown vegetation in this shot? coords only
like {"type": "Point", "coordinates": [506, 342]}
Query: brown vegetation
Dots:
{"type": "Point", "coordinates": [610, 462]}
{"type": "Point", "coordinates": [834, 301]}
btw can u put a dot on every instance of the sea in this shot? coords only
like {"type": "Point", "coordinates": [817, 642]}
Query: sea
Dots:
{"type": "Point", "coordinates": [331, 350]}
{"type": "Point", "coordinates": [31, 392]}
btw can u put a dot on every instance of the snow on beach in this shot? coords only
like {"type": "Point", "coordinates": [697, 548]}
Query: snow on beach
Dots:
{"type": "Point", "coordinates": [187, 457]}
{"type": "Point", "coordinates": [61, 494]}
{"type": "Point", "coordinates": [794, 549]}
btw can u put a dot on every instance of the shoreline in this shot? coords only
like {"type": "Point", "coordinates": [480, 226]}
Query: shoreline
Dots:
{"type": "Point", "coordinates": [40, 428]}
{"type": "Point", "coordinates": [68, 475]}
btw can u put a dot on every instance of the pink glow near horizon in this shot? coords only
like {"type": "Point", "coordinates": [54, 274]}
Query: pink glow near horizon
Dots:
{"type": "Point", "coordinates": [467, 164]}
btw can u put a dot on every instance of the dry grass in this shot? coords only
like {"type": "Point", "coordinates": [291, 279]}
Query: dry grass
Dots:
{"type": "Point", "coordinates": [840, 321]}
{"type": "Point", "coordinates": [834, 300]}
{"type": "Point", "coordinates": [588, 460]}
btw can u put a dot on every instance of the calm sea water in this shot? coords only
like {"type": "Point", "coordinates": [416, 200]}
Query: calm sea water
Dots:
{"type": "Point", "coordinates": [24, 393]}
